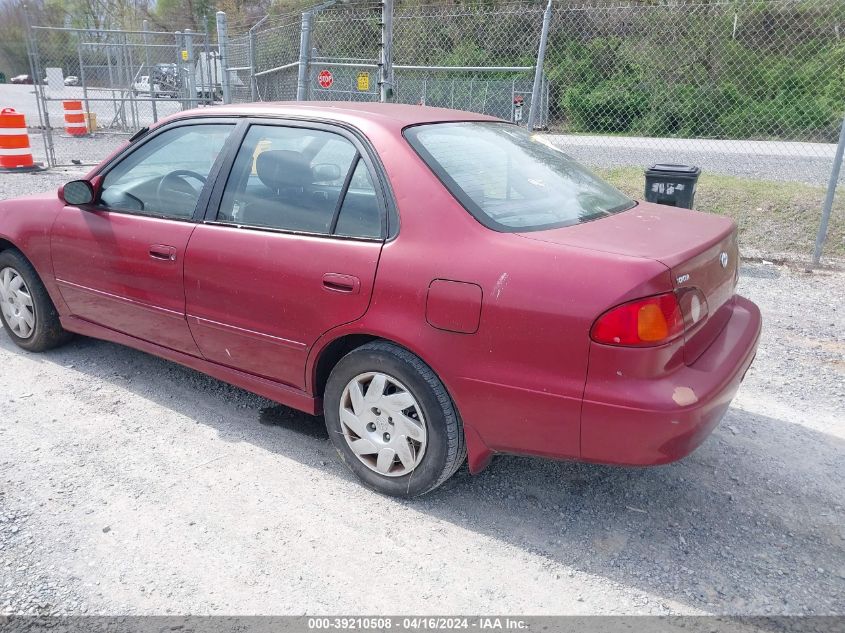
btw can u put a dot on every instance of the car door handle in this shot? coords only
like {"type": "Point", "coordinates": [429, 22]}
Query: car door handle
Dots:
{"type": "Point", "coordinates": [163, 252]}
{"type": "Point", "coordinates": [335, 282]}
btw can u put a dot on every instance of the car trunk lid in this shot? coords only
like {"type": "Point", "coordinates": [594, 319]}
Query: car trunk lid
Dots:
{"type": "Point", "coordinates": [699, 249]}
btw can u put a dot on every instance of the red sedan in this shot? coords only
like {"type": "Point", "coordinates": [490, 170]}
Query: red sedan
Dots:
{"type": "Point", "coordinates": [439, 285]}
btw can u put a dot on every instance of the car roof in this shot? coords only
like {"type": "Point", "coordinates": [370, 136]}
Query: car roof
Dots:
{"type": "Point", "coordinates": [395, 116]}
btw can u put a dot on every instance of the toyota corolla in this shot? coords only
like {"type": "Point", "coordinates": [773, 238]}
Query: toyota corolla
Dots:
{"type": "Point", "coordinates": [441, 286]}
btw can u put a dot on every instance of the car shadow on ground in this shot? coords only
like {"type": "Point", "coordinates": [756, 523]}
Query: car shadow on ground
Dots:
{"type": "Point", "coordinates": [717, 531]}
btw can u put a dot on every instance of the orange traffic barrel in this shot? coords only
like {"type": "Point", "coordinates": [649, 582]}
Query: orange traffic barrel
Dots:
{"type": "Point", "coordinates": [15, 153]}
{"type": "Point", "coordinates": [75, 124]}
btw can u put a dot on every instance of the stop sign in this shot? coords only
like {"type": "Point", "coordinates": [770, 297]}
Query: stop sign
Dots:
{"type": "Point", "coordinates": [325, 79]}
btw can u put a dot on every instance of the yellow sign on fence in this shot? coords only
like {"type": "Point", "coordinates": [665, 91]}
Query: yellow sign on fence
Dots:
{"type": "Point", "coordinates": [184, 56]}
{"type": "Point", "coordinates": [363, 81]}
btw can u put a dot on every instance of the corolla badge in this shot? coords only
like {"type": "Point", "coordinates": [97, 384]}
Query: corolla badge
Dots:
{"type": "Point", "coordinates": [723, 259]}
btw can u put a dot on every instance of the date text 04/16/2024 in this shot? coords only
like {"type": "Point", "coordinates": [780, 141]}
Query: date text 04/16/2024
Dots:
{"type": "Point", "coordinates": [417, 623]}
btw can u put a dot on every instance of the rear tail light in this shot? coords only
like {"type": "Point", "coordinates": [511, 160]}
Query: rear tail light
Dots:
{"type": "Point", "coordinates": [644, 322]}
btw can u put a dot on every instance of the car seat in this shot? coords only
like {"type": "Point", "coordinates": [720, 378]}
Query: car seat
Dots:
{"type": "Point", "coordinates": [289, 202]}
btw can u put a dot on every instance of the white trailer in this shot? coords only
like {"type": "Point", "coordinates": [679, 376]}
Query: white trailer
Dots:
{"type": "Point", "coordinates": [208, 76]}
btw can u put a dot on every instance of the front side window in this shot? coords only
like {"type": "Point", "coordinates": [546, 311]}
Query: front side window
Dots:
{"type": "Point", "coordinates": [301, 179]}
{"type": "Point", "coordinates": [511, 181]}
{"type": "Point", "coordinates": [166, 175]}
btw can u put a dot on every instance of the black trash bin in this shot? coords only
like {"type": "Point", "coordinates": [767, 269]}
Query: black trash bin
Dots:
{"type": "Point", "coordinates": [671, 184]}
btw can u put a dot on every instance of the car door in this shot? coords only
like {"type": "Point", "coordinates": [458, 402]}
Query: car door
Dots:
{"type": "Point", "coordinates": [119, 262]}
{"type": "Point", "coordinates": [289, 249]}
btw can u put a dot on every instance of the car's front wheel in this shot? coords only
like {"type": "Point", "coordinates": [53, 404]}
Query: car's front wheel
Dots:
{"type": "Point", "coordinates": [392, 420]}
{"type": "Point", "coordinates": [28, 315]}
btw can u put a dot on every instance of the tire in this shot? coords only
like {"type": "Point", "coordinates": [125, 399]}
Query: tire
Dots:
{"type": "Point", "coordinates": [46, 331]}
{"type": "Point", "coordinates": [434, 432]}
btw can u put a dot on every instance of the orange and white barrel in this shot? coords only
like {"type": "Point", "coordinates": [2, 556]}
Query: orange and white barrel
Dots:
{"type": "Point", "coordinates": [15, 153]}
{"type": "Point", "coordinates": [75, 123]}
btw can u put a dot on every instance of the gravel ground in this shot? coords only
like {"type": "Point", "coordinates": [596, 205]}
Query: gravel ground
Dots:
{"type": "Point", "coordinates": [131, 485]}
{"type": "Point", "coordinates": [12, 185]}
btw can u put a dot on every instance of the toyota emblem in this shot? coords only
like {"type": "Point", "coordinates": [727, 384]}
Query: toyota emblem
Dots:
{"type": "Point", "coordinates": [723, 259]}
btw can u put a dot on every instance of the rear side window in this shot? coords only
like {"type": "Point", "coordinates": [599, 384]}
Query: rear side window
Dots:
{"type": "Point", "coordinates": [356, 215]}
{"type": "Point", "coordinates": [300, 179]}
{"type": "Point", "coordinates": [511, 181]}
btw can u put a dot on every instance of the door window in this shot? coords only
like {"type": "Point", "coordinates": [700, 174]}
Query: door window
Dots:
{"type": "Point", "coordinates": [300, 179]}
{"type": "Point", "coordinates": [166, 175]}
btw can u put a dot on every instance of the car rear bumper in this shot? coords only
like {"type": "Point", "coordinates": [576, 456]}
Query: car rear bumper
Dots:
{"type": "Point", "coordinates": [642, 423]}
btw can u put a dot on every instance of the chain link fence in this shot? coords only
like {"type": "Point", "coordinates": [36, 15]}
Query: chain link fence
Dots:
{"type": "Point", "coordinates": [748, 90]}
{"type": "Point", "coordinates": [752, 91]}
{"type": "Point", "coordinates": [740, 88]}
{"type": "Point", "coordinates": [345, 46]}
{"type": "Point", "coordinates": [120, 81]}
{"type": "Point", "coordinates": [478, 58]}
{"type": "Point", "coordinates": [241, 69]}
{"type": "Point", "coordinates": [277, 50]}
{"type": "Point", "coordinates": [468, 57]}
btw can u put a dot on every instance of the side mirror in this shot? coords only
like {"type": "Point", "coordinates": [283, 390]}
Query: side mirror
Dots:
{"type": "Point", "coordinates": [77, 192]}
{"type": "Point", "coordinates": [325, 172]}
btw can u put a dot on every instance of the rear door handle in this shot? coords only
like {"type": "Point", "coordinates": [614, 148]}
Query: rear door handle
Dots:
{"type": "Point", "coordinates": [335, 282]}
{"type": "Point", "coordinates": [163, 252]}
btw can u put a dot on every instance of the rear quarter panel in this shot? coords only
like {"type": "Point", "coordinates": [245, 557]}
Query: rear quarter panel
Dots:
{"type": "Point", "coordinates": [518, 380]}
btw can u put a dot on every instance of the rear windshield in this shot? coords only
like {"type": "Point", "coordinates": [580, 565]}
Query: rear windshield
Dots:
{"type": "Point", "coordinates": [511, 181]}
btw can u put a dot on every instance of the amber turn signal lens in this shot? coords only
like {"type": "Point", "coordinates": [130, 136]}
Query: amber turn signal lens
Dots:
{"type": "Point", "coordinates": [651, 324]}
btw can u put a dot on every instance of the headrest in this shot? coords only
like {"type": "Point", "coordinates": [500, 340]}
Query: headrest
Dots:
{"type": "Point", "coordinates": [279, 169]}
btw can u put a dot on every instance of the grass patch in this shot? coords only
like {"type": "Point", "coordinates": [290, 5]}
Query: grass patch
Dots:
{"type": "Point", "coordinates": [773, 217]}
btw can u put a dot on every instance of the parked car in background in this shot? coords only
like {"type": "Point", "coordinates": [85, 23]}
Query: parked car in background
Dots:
{"type": "Point", "coordinates": [439, 285]}
{"type": "Point", "coordinates": [71, 80]}
{"type": "Point", "coordinates": [21, 79]}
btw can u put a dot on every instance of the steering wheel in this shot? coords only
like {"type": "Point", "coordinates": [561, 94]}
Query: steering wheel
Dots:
{"type": "Point", "coordinates": [173, 188]}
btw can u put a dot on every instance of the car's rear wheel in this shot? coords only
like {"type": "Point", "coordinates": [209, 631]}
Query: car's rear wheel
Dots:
{"type": "Point", "coordinates": [28, 315]}
{"type": "Point", "coordinates": [392, 420]}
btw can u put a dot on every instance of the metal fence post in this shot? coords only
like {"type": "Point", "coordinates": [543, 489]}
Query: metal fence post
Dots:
{"type": "Point", "coordinates": [385, 66]}
{"type": "Point", "coordinates": [150, 74]}
{"type": "Point", "coordinates": [129, 79]}
{"type": "Point", "coordinates": [536, 90]}
{"type": "Point", "coordinates": [82, 78]}
{"type": "Point", "coordinates": [831, 192]}
{"type": "Point", "coordinates": [199, 72]}
{"type": "Point", "coordinates": [304, 53]}
{"type": "Point", "coordinates": [191, 68]}
{"type": "Point", "coordinates": [223, 54]}
{"type": "Point", "coordinates": [180, 79]}
{"type": "Point", "coordinates": [40, 102]}
{"type": "Point", "coordinates": [253, 85]}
